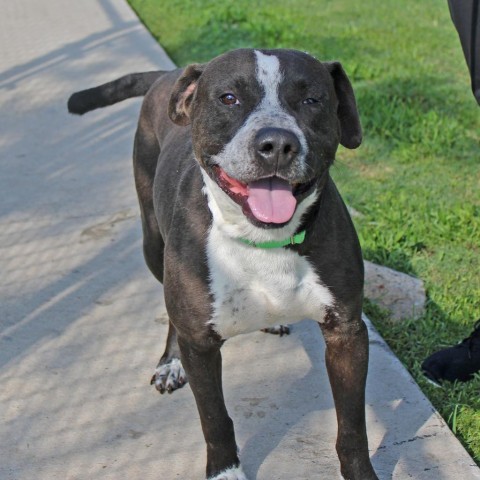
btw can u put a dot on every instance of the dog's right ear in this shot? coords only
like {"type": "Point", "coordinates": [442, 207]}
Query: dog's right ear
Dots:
{"type": "Point", "coordinates": [182, 95]}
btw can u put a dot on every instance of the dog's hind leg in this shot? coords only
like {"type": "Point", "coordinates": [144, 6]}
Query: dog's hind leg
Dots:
{"type": "Point", "coordinates": [169, 374]}
{"type": "Point", "coordinates": [145, 157]}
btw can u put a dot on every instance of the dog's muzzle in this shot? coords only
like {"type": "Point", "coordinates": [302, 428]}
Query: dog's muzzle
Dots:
{"type": "Point", "coordinates": [275, 183]}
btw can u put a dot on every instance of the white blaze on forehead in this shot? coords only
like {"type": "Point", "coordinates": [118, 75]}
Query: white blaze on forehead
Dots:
{"type": "Point", "coordinates": [271, 110]}
{"type": "Point", "coordinates": [269, 76]}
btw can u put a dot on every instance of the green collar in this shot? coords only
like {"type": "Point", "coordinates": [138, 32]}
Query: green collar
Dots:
{"type": "Point", "coordinates": [295, 239]}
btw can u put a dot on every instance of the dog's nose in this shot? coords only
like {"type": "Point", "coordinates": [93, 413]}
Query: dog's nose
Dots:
{"type": "Point", "coordinates": [276, 146]}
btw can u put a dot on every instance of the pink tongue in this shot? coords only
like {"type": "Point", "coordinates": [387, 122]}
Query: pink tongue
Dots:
{"type": "Point", "coordinates": [271, 200]}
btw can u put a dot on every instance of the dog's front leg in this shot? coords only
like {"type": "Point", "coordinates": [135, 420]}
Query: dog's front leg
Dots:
{"type": "Point", "coordinates": [347, 362]}
{"type": "Point", "coordinates": [204, 370]}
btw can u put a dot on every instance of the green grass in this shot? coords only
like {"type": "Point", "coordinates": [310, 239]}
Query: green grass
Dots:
{"type": "Point", "coordinates": [416, 177]}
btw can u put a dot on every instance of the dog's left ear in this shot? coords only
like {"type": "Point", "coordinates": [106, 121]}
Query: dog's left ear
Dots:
{"type": "Point", "coordinates": [179, 108]}
{"type": "Point", "coordinates": [351, 130]}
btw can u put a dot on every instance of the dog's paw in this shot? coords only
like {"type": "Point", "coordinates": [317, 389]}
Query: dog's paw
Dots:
{"type": "Point", "coordinates": [278, 330]}
{"type": "Point", "coordinates": [169, 376]}
{"type": "Point", "coordinates": [234, 473]}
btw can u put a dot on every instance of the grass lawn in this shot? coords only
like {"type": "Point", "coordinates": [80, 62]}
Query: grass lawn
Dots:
{"type": "Point", "coordinates": [416, 179]}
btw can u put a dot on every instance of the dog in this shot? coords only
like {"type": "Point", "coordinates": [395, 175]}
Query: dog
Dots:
{"type": "Point", "coordinates": [244, 226]}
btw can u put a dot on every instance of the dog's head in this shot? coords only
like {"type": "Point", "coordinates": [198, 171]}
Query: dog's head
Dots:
{"type": "Point", "coordinates": [266, 125]}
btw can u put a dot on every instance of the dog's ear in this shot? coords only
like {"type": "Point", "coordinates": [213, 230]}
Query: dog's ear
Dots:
{"type": "Point", "coordinates": [351, 130]}
{"type": "Point", "coordinates": [182, 94]}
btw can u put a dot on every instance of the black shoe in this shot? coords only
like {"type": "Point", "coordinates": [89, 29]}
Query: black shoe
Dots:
{"type": "Point", "coordinates": [455, 363]}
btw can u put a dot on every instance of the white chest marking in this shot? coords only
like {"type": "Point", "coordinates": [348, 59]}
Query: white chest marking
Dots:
{"type": "Point", "coordinates": [255, 288]}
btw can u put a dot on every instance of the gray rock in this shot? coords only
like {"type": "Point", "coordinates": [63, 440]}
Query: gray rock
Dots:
{"type": "Point", "coordinates": [401, 294]}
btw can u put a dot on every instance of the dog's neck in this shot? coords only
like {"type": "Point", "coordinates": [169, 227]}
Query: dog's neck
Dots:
{"type": "Point", "coordinates": [229, 219]}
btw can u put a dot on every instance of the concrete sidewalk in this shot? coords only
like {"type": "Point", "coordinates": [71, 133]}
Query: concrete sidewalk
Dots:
{"type": "Point", "coordinates": [82, 321]}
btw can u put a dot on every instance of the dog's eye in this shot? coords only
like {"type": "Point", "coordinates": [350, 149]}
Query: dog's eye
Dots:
{"type": "Point", "coordinates": [229, 99]}
{"type": "Point", "coordinates": [310, 101]}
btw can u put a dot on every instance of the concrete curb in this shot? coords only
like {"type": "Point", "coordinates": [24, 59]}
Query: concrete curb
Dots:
{"type": "Point", "coordinates": [82, 321]}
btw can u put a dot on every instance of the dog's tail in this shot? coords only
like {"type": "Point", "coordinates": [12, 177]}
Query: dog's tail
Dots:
{"type": "Point", "coordinates": [129, 86]}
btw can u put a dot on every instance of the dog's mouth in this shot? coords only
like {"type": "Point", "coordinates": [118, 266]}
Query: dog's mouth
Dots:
{"type": "Point", "coordinates": [267, 202]}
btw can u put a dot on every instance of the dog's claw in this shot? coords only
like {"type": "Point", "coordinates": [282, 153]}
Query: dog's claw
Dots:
{"type": "Point", "coordinates": [278, 330]}
{"type": "Point", "coordinates": [169, 376]}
